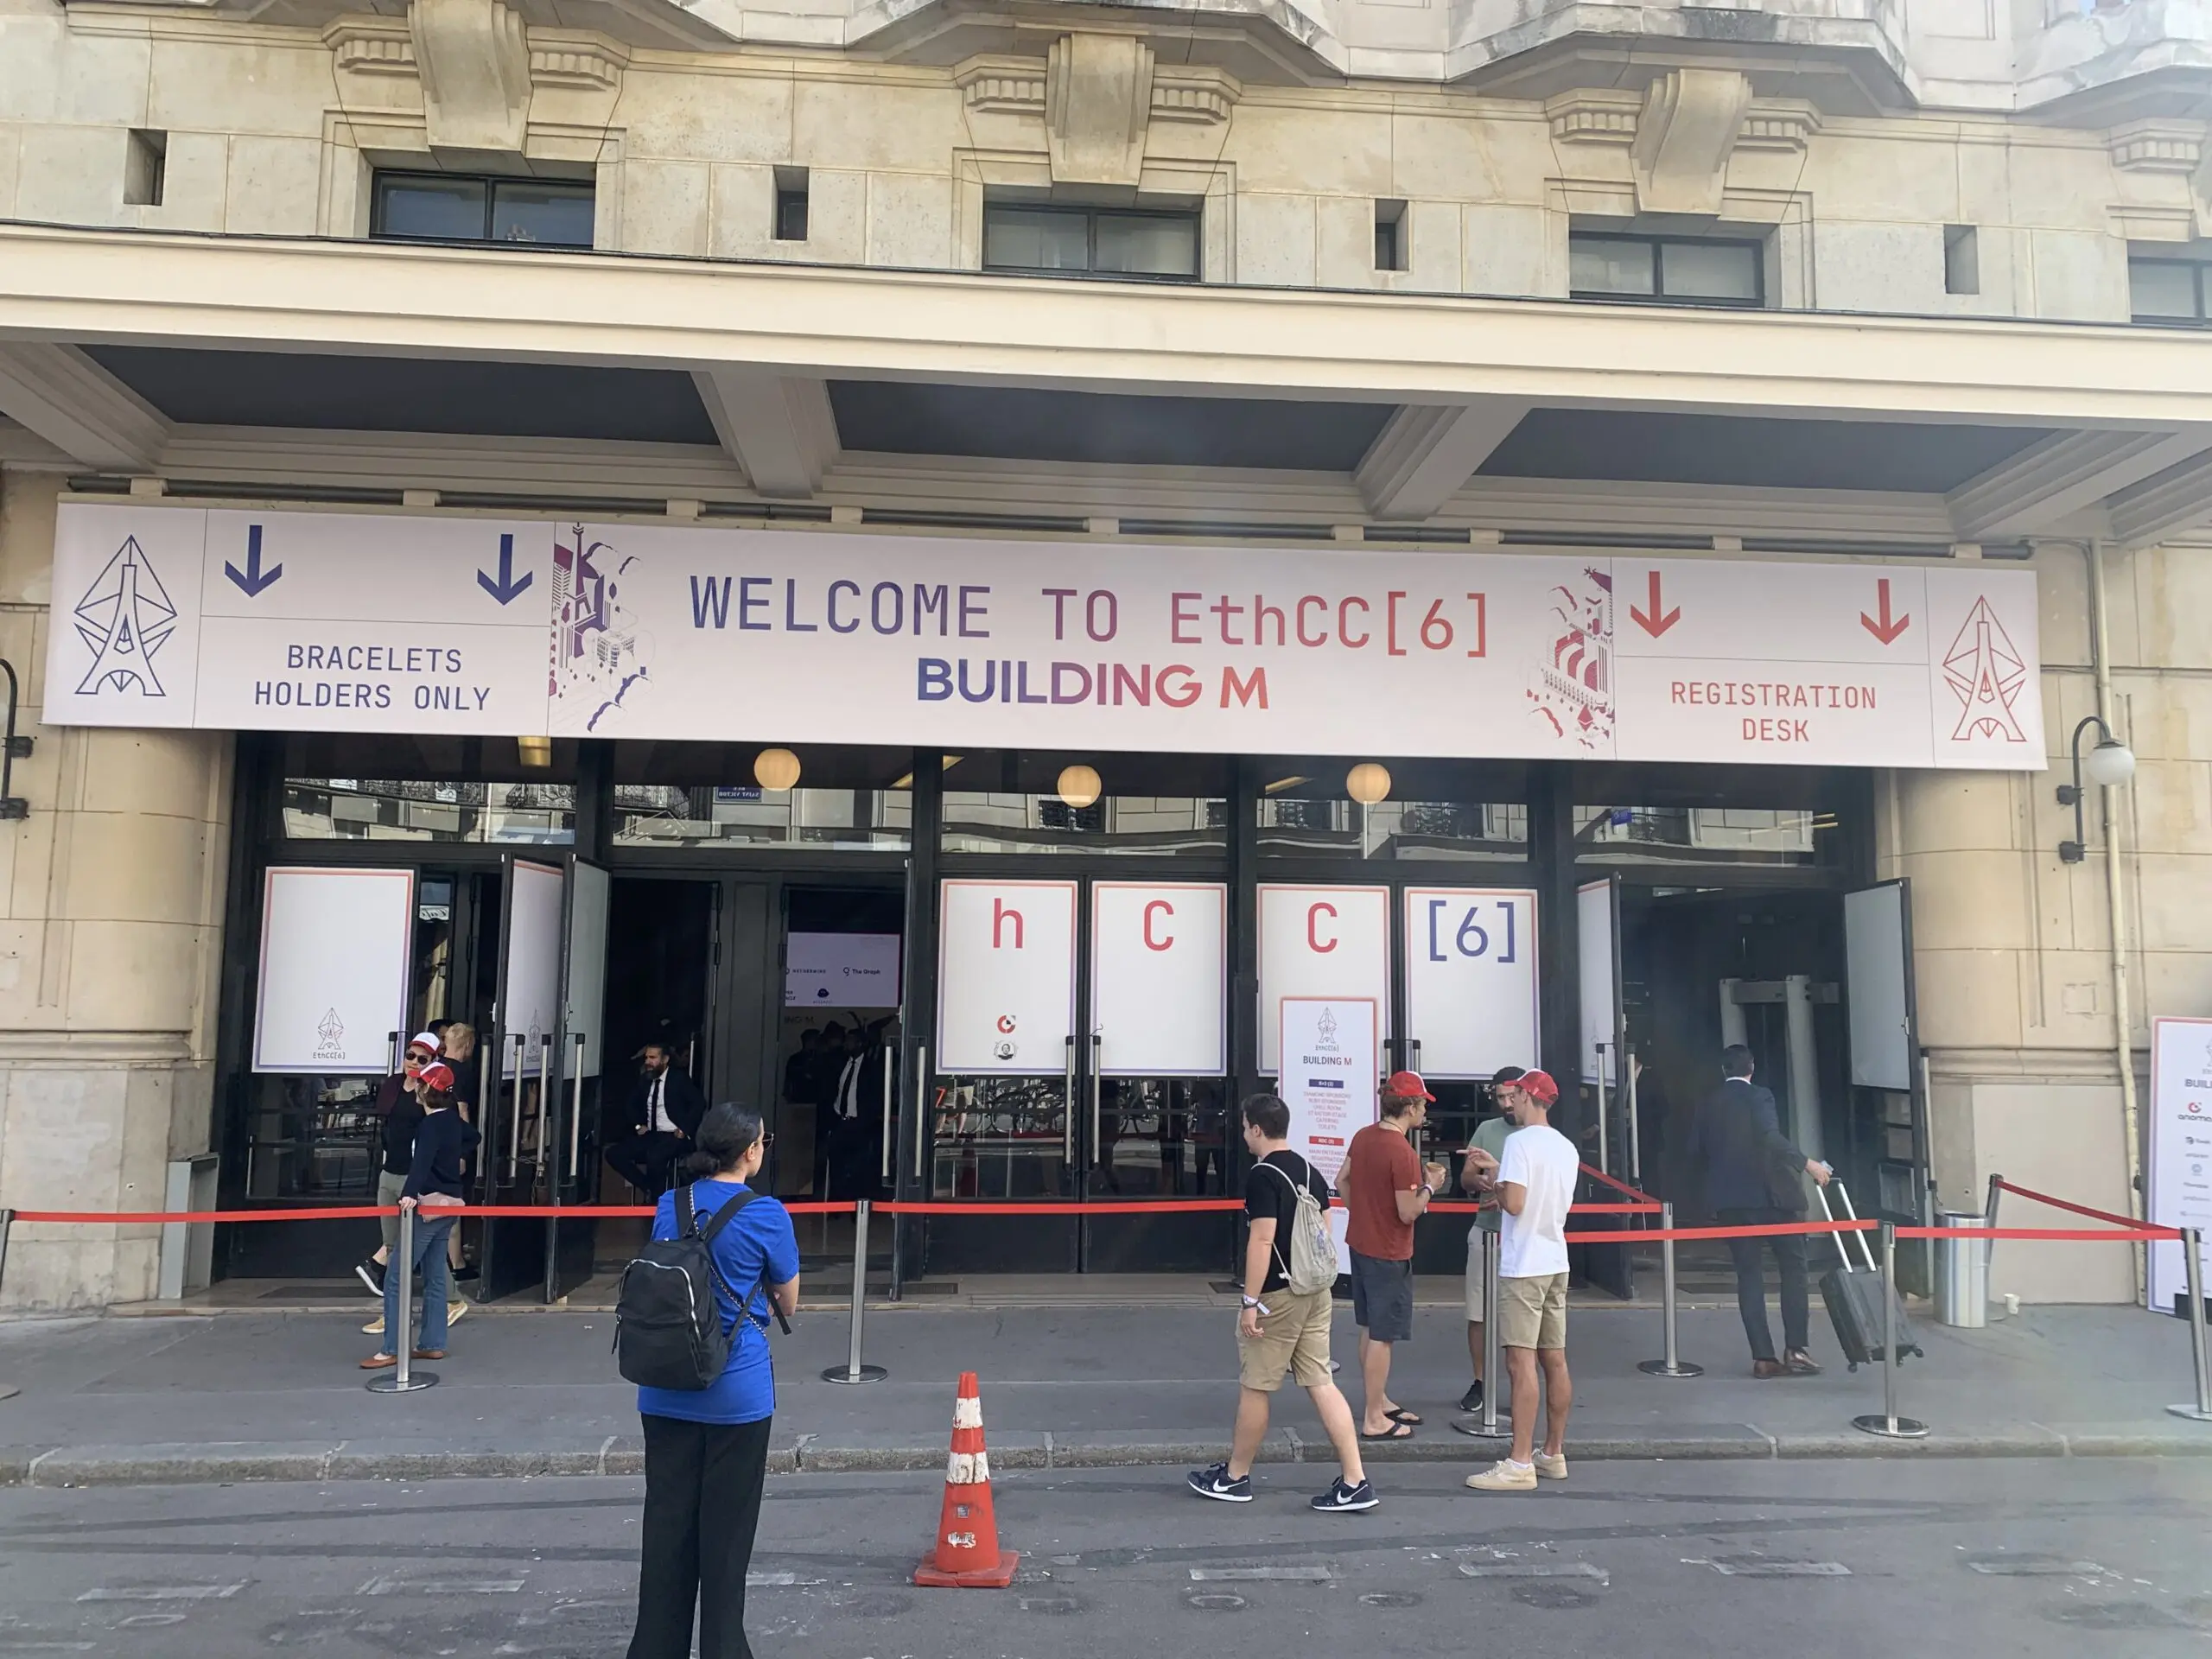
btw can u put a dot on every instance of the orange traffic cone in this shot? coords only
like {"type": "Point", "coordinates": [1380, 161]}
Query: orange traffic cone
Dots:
{"type": "Point", "coordinates": [967, 1555]}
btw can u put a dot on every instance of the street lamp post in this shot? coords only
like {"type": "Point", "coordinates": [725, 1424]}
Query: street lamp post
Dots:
{"type": "Point", "coordinates": [2111, 764]}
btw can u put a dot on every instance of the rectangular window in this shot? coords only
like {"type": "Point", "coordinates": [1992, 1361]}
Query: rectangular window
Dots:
{"type": "Point", "coordinates": [450, 207]}
{"type": "Point", "coordinates": [1962, 260]}
{"type": "Point", "coordinates": [2167, 291]}
{"type": "Point", "coordinates": [145, 162]}
{"type": "Point", "coordinates": [1150, 245]}
{"type": "Point", "coordinates": [1153, 805]}
{"type": "Point", "coordinates": [1677, 270]}
{"type": "Point", "coordinates": [1389, 236]}
{"type": "Point", "coordinates": [791, 204]}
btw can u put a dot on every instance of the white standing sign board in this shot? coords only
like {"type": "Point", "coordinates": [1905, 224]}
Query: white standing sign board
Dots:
{"type": "Point", "coordinates": [1159, 966]}
{"type": "Point", "coordinates": [530, 1008]}
{"type": "Point", "coordinates": [1320, 941]}
{"type": "Point", "coordinates": [1470, 979]}
{"type": "Point", "coordinates": [2181, 1151]}
{"type": "Point", "coordinates": [336, 948]}
{"type": "Point", "coordinates": [1006, 977]}
{"type": "Point", "coordinates": [1329, 1047]}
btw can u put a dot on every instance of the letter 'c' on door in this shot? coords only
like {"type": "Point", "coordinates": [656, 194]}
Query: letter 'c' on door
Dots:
{"type": "Point", "coordinates": [1151, 943]}
{"type": "Point", "coordinates": [1312, 935]}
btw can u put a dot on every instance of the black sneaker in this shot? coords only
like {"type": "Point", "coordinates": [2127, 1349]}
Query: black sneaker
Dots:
{"type": "Point", "coordinates": [1342, 1497]}
{"type": "Point", "coordinates": [1218, 1482]}
{"type": "Point", "coordinates": [371, 1273]}
{"type": "Point", "coordinates": [1473, 1399]}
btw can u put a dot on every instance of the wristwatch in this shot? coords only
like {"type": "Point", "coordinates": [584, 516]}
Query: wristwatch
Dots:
{"type": "Point", "coordinates": [1427, 1191]}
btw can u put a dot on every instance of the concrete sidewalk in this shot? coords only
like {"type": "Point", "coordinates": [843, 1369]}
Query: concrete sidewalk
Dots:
{"type": "Point", "coordinates": [275, 1396]}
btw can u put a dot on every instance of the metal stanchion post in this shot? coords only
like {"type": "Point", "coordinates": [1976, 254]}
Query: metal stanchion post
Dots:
{"type": "Point", "coordinates": [405, 1379]}
{"type": "Point", "coordinates": [1889, 1425]}
{"type": "Point", "coordinates": [7, 1221]}
{"type": "Point", "coordinates": [1673, 1364]}
{"type": "Point", "coordinates": [852, 1370]}
{"type": "Point", "coordinates": [1485, 1426]}
{"type": "Point", "coordinates": [2192, 1244]}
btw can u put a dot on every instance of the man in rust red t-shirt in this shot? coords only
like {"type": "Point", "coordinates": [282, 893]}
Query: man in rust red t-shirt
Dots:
{"type": "Point", "coordinates": [1384, 1189]}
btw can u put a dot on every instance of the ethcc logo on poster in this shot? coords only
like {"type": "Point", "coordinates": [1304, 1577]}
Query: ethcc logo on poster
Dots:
{"type": "Point", "coordinates": [1986, 672]}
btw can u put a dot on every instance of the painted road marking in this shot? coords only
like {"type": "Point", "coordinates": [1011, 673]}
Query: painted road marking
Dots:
{"type": "Point", "coordinates": [777, 1580]}
{"type": "Point", "coordinates": [1748, 1567]}
{"type": "Point", "coordinates": [1321, 1573]}
{"type": "Point", "coordinates": [1533, 1570]}
{"type": "Point", "coordinates": [2036, 1567]}
{"type": "Point", "coordinates": [381, 1586]}
{"type": "Point", "coordinates": [166, 1591]}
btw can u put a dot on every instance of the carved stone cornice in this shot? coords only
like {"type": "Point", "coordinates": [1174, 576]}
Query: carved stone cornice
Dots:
{"type": "Point", "coordinates": [2157, 146]}
{"type": "Point", "coordinates": [1005, 85]}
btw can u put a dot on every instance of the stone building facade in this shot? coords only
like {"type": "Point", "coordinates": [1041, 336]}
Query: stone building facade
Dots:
{"type": "Point", "coordinates": [1950, 213]}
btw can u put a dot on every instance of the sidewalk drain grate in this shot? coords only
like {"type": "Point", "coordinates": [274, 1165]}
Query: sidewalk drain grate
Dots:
{"type": "Point", "coordinates": [1315, 1574]}
{"type": "Point", "coordinates": [1534, 1570]}
{"type": "Point", "coordinates": [1743, 1568]}
{"type": "Point", "coordinates": [2035, 1566]}
{"type": "Point", "coordinates": [165, 1592]}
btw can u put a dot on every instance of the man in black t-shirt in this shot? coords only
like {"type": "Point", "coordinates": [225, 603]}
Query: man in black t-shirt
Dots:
{"type": "Point", "coordinates": [1278, 1329]}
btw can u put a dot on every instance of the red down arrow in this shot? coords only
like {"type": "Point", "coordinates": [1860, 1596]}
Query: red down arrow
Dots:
{"type": "Point", "coordinates": [1887, 629]}
{"type": "Point", "coordinates": [1659, 620]}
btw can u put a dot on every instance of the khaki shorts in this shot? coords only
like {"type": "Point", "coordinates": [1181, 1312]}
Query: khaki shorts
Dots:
{"type": "Point", "coordinates": [1293, 1337]}
{"type": "Point", "coordinates": [1532, 1313]}
{"type": "Point", "coordinates": [1475, 1314]}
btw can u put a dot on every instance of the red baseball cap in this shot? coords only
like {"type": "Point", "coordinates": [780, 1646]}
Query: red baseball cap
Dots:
{"type": "Point", "coordinates": [1406, 1086]}
{"type": "Point", "coordinates": [436, 1075]}
{"type": "Point", "coordinates": [1539, 1085]}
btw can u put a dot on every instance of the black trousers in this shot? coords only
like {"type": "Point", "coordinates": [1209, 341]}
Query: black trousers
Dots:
{"type": "Point", "coordinates": [703, 1506]}
{"type": "Point", "coordinates": [644, 1160]}
{"type": "Point", "coordinates": [1751, 1280]}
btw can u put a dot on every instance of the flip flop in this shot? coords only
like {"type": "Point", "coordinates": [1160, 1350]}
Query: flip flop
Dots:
{"type": "Point", "coordinates": [1409, 1419]}
{"type": "Point", "coordinates": [1395, 1431]}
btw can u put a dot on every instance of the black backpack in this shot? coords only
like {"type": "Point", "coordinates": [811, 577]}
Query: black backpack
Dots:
{"type": "Point", "coordinates": [668, 1319]}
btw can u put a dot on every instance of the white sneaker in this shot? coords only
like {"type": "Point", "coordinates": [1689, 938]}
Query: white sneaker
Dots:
{"type": "Point", "coordinates": [374, 1327]}
{"type": "Point", "coordinates": [1505, 1475]}
{"type": "Point", "coordinates": [1550, 1467]}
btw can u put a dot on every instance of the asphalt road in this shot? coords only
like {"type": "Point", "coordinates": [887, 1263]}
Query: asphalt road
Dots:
{"type": "Point", "coordinates": [1811, 1559]}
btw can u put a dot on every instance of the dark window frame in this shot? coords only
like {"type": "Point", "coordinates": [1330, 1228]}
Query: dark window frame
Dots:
{"type": "Point", "coordinates": [1656, 244]}
{"type": "Point", "coordinates": [1194, 217]}
{"type": "Point", "coordinates": [491, 182]}
{"type": "Point", "coordinates": [2197, 269]}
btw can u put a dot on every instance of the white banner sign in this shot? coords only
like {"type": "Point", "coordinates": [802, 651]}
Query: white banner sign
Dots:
{"type": "Point", "coordinates": [1320, 941]}
{"type": "Point", "coordinates": [1158, 970]}
{"type": "Point", "coordinates": [336, 948]}
{"type": "Point", "coordinates": [1330, 1047]}
{"type": "Point", "coordinates": [2181, 1151]}
{"type": "Point", "coordinates": [842, 971]}
{"type": "Point", "coordinates": [1006, 977]}
{"type": "Point", "coordinates": [1470, 979]}
{"type": "Point", "coordinates": [333, 621]}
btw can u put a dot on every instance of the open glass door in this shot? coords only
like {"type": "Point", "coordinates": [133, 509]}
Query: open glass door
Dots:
{"type": "Point", "coordinates": [572, 1162]}
{"type": "Point", "coordinates": [1605, 1132]}
{"type": "Point", "coordinates": [1884, 1045]}
{"type": "Point", "coordinates": [524, 1073]}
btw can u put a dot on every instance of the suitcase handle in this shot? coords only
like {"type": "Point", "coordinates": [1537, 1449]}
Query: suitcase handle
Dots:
{"type": "Point", "coordinates": [1850, 1214]}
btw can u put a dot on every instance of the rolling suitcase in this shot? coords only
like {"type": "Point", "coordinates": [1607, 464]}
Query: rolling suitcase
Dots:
{"type": "Point", "coordinates": [1853, 1296]}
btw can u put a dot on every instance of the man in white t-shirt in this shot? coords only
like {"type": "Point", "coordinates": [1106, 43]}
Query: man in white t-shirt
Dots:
{"type": "Point", "coordinates": [1535, 1186]}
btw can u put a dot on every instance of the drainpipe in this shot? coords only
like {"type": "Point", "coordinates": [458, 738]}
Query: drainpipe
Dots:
{"type": "Point", "coordinates": [2122, 1018]}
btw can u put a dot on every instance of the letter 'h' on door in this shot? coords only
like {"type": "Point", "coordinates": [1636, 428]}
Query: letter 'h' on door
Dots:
{"type": "Point", "coordinates": [1006, 973]}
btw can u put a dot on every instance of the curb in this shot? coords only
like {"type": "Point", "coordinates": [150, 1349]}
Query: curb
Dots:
{"type": "Point", "coordinates": [226, 1463]}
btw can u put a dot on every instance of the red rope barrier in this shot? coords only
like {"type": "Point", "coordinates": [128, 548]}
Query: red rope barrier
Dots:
{"type": "Point", "coordinates": [1658, 1233]}
{"type": "Point", "coordinates": [2092, 1235]}
{"type": "Point", "coordinates": [357, 1212]}
{"type": "Point", "coordinates": [2004, 1186]}
{"type": "Point", "coordinates": [1637, 1193]}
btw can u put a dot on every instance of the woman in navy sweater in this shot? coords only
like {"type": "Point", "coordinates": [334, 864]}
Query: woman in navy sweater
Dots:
{"type": "Point", "coordinates": [436, 1183]}
{"type": "Point", "coordinates": [707, 1449]}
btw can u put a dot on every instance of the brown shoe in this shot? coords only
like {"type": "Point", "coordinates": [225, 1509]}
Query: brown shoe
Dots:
{"type": "Point", "coordinates": [1798, 1363]}
{"type": "Point", "coordinates": [428, 1353]}
{"type": "Point", "coordinates": [379, 1361]}
{"type": "Point", "coordinates": [1764, 1369]}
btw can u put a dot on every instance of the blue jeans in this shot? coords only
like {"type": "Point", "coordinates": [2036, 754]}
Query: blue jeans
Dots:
{"type": "Point", "coordinates": [429, 1270]}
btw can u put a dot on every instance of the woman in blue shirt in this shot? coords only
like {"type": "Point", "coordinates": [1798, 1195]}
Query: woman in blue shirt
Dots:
{"type": "Point", "coordinates": [707, 1449]}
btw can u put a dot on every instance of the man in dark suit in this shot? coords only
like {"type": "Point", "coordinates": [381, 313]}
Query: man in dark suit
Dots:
{"type": "Point", "coordinates": [1751, 1175]}
{"type": "Point", "coordinates": [665, 1108]}
{"type": "Point", "coordinates": [852, 1114]}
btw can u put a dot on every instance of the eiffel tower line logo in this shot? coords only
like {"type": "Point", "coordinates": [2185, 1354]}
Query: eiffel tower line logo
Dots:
{"type": "Point", "coordinates": [1986, 672]}
{"type": "Point", "coordinates": [124, 618]}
